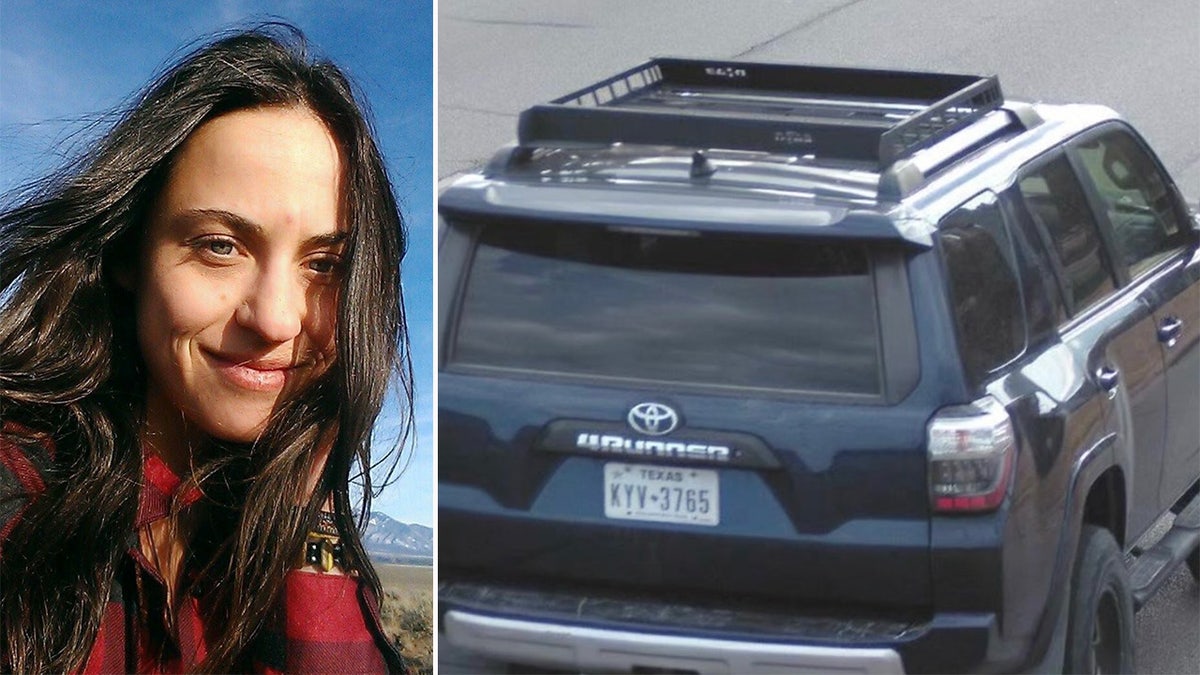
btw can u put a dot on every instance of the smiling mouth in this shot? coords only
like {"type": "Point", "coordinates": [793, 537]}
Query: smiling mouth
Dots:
{"type": "Point", "coordinates": [254, 374]}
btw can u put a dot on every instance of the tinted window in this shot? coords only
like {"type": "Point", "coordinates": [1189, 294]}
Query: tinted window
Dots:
{"type": "Point", "coordinates": [978, 257]}
{"type": "Point", "coordinates": [1044, 309]}
{"type": "Point", "coordinates": [771, 313]}
{"type": "Point", "coordinates": [1146, 225]}
{"type": "Point", "coordinates": [1056, 202]}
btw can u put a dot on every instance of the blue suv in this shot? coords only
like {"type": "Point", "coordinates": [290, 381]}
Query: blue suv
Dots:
{"type": "Point", "coordinates": [770, 368]}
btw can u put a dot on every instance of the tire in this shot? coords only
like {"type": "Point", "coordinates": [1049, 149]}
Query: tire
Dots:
{"type": "Point", "coordinates": [1100, 624]}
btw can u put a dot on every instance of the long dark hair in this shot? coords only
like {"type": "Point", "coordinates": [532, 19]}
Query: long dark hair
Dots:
{"type": "Point", "coordinates": [70, 366]}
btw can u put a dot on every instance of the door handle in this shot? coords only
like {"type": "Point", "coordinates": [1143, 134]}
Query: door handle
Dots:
{"type": "Point", "coordinates": [1108, 378]}
{"type": "Point", "coordinates": [1169, 330]}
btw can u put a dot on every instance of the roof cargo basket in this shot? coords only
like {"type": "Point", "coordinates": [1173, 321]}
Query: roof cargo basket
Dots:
{"type": "Point", "coordinates": [878, 116]}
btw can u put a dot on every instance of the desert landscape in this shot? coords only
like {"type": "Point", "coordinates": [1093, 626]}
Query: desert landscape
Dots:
{"type": "Point", "coordinates": [407, 612]}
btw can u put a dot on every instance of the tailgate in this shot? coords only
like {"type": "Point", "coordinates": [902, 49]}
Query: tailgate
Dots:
{"type": "Point", "coordinates": [828, 508]}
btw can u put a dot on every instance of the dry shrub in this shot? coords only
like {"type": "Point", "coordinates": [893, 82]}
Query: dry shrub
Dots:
{"type": "Point", "coordinates": [408, 620]}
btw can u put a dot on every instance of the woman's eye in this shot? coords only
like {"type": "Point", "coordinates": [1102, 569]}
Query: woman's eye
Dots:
{"type": "Point", "coordinates": [214, 247]}
{"type": "Point", "coordinates": [220, 247]}
{"type": "Point", "coordinates": [326, 265]}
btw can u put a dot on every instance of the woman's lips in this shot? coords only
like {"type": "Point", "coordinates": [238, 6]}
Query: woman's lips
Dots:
{"type": "Point", "coordinates": [252, 374]}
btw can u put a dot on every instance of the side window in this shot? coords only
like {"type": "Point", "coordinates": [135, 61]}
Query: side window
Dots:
{"type": "Point", "coordinates": [1044, 308]}
{"type": "Point", "coordinates": [977, 253]}
{"type": "Point", "coordinates": [1055, 201]}
{"type": "Point", "coordinates": [1146, 225]}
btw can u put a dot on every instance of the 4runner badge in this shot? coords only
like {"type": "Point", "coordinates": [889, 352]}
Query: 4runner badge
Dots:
{"type": "Point", "coordinates": [653, 419]}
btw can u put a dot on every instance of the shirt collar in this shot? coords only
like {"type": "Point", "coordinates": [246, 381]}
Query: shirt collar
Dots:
{"type": "Point", "coordinates": [159, 486]}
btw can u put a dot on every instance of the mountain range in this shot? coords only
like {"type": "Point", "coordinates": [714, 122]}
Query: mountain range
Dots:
{"type": "Point", "coordinates": [389, 541]}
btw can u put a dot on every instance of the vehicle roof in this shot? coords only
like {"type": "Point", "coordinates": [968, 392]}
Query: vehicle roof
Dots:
{"type": "Point", "coordinates": [759, 192]}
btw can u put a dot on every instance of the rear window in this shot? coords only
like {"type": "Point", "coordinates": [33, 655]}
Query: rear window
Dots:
{"type": "Point", "coordinates": [714, 310]}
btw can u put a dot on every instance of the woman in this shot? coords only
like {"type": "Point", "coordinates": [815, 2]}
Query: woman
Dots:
{"type": "Point", "coordinates": [198, 322]}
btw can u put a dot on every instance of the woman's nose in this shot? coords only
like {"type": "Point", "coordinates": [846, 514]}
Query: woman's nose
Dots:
{"type": "Point", "coordinates": [274, 306]}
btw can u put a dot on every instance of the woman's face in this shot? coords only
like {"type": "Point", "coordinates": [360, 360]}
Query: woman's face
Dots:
{"type": "Point", "coordinates": [237, 287]}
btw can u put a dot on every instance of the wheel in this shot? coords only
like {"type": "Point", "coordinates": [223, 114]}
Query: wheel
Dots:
{"type": "Point", "coordinates": [1100, 624]}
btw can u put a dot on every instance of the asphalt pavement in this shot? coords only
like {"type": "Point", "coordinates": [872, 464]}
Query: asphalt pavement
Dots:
{"type": "Point", "coordinates": [1142, 59]}
{"type": "Point", "coordinates": [497, 58]}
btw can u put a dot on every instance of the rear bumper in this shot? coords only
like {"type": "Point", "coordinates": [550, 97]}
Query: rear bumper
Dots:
{"type": "Point", "coordinates": [607, 650]}
{"type": "Point", "coordinates": [594, 630]}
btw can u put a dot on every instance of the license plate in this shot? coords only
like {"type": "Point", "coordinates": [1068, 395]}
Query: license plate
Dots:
{"type": "Point", "coordinates": [662, 494]}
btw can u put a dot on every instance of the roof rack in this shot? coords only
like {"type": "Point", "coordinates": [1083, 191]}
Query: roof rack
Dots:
{"type": "Point", "coordinates": [879, 116]}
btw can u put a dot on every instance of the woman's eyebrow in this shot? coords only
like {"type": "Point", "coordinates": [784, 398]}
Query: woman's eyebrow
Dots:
{"type": "Point", "coordinates": [245, 227]}
{"type": "Point", "coordinates": [325, 240]}
{"type": "Point", "coordinates": [239, 224]}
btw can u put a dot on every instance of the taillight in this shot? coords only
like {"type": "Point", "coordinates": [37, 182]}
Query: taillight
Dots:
{"type": "Point", "coordinates": [971, 450]}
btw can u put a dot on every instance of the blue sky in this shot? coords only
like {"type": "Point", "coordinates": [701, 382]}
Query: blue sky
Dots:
{"type": "Point", "coordinates": [65, 65]}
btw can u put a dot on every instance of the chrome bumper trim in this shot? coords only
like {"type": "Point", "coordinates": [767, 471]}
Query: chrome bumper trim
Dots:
{"type": "Point", "coordinates": [564, 646]}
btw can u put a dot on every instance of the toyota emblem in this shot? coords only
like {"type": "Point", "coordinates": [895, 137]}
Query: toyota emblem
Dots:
{"type": "Point", "coordinates": [653, 419]}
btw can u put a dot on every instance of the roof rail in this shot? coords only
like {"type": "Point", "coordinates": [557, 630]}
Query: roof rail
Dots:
{"type": "Point", "coordinates": [880, 116]}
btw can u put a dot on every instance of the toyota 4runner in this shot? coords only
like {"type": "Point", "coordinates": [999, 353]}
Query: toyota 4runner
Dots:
{"type": "Point", "coordinates": [767, 368]}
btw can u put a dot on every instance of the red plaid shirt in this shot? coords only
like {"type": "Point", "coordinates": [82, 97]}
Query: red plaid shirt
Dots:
{"type": "Point", "coordinates": [327, 623]}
